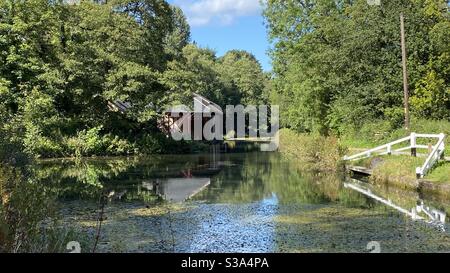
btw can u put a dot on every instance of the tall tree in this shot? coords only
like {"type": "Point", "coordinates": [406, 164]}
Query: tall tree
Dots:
{"type": "Point", "coordinates": [243, 74]}
{"type": "Point", "coordinates": [337, 63]}
{"type": "Point", "coordinates": [179, 36]}
{"type": "Point", "coordinates": [194, 72]}
{"type": "Point", "coordinates": [61, 63]}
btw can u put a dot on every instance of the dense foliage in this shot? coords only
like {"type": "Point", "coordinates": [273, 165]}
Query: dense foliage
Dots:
{"type": "Point", "coordinates": [337, 64]}
{"type": "Point", "coordinates": [61, 62]}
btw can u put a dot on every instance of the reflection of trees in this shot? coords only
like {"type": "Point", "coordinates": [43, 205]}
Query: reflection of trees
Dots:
{"type": "Point", "coordinates": [72, 179]}
{"type": "Point", "coordinates": [244, 181]}
{"type": "Point", "coordinates": [258, 175]}
{"type": "Point", "coordinates": [250, 177]}
{"type": "Point", "coordinates": [89, 178]}
{"type": "Point", "coordinates": [28, 215]}
{"type": "Point", "coordinates": [293, 186]}
{"type": "Point", "coordinates": [351, 199]}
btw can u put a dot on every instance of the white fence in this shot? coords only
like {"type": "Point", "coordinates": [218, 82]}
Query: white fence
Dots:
{"type": "Point", "coordinates": [436, 153]}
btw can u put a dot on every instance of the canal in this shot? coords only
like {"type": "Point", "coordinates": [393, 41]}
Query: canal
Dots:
{"type": "Point", "coordinates": [245, 202]}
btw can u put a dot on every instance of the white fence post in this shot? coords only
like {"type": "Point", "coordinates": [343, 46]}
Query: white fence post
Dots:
{"type": "Point", "coordinates": [419, 173]}
{"type": "Point", "coordinates": [413, 144]}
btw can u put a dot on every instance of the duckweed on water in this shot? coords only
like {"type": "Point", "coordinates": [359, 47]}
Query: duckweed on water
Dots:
{"type": "Point", "coordinates": [338, 229]}
{"type": "Point", "coordinates": [265, 227]}
{"type": "Point", "coordinates": [250, 202]}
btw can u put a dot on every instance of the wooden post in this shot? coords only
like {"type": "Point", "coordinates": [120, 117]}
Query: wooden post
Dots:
{"type": "Point", "coordinates": [405, 73]}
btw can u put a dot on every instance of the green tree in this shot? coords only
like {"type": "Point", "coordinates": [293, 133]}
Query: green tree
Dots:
{"type": "Point", "coordinates": [337, 64]}
{"type": "Point", "coordinates": [180, 35]}
{"type": "Point", "coordinates": [244, 77]}
{"type": "Point", "coordinates": [71, 59]}
{"type": "Point", "coordinates": [194, 72]}
{"type": "Point", "coordinates": [62, 64]}
{"type": "Point", "coordinates": [431, 97]}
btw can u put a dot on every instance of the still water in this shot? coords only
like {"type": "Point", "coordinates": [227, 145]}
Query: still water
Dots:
{"type": "Point", "coordinates": [249, 202]}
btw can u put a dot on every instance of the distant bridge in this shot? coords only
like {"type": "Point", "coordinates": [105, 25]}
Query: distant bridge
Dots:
{"type": "Point", "coordinates": [252, 139]}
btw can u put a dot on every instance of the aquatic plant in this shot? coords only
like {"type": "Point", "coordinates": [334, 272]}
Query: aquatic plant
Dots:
{"type": "Point", "coordinates": [28, 216]}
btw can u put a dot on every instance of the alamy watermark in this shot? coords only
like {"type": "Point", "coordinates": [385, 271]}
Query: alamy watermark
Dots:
{"type": "Point", "coordinates": [374, 247]}
{"type": "Point", "coordinates": [74, 247]}
{"type": "Point", "coordinates": [238, 123]}
{"type": "Point", "coordinates": [374, 2]}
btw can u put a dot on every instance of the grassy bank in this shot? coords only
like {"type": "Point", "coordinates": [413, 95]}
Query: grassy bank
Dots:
{"type": "Point", "coordinates": [398, 170]}
{"type": "Point", "coordinates": [29, 218]}
{"type": "Point", "coordinates": [320, 153]}
{"type": "Point", "coordinates": [401, 170]}
{"type": "Point", "coordinates": [313, 152]}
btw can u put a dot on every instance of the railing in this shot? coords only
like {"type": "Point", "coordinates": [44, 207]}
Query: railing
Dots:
{"type": "Point", "coordinates": [437, 151]}
{"type": "Point", "coordinates": [435, 155]}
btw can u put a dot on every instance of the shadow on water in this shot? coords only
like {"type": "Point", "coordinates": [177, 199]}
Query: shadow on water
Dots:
{"type": "Point", "coordinates": [248, 202]}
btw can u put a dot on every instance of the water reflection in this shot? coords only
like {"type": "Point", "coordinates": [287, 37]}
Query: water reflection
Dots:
{"type": "Point", "coordinates": [420, 212]}
{"type": "Point", "coordinates": [174, 178]}
{"type": "Point", "coordinates": [249, 202]}
{"type": "Point", "coordinates": [177, 189]}
{"type": "Point", "coordinates": [218, 178]}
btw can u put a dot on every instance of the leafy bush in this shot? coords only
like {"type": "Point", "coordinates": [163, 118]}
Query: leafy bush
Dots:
{"type": "Point", "coordinates": [11, 149]}
{"type": "Point", "coordinates": [42, 146]}
{"type": "Point", "coordinates": [158, 143]}
{"type": "Point", "coordinates": [423, 126]}
{"type": "Point", "coordinates": [87, 142]}
{"type": "Point", "coordinates": [113, 145]}
{"type": "Point", "coordinates": [91, 142]}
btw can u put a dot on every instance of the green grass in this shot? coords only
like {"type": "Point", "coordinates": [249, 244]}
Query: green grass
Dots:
{"type": "Point", "coordinates": [326, 152]}
{"type": "Point", "coordinates": [375, 133]}
{"type": "Point", "coordinates": [358, 143]}
{"type": "Point", "coordinates": [404, 167]}
{"type": "Point", "coordinates": [441, 173]}
{"type": "Point", "coordinates": [355, 143]}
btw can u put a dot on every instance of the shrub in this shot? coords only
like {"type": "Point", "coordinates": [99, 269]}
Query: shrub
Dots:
{"type": "Point", "coordinates": [87, 142]}
{"type": "Point", "coordinates": [158, 143]}
{"type": "Point", "coordinates": [43, 146]}
{"type": "Point", "coordinates": [91, 142]}
{"type": "Point", "coordinates": [11, 152]}
{"type": "Point", "coordinates": [113, 145]}
{"type": "Point", "coordinates": [313, 151]}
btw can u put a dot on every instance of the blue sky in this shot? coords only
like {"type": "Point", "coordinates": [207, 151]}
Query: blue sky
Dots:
{"type": "Point", "coordinates": [224, 25]}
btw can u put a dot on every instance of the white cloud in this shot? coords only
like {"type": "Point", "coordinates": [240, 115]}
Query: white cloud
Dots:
{"type": "Point", "coordinates": [224, 12]}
